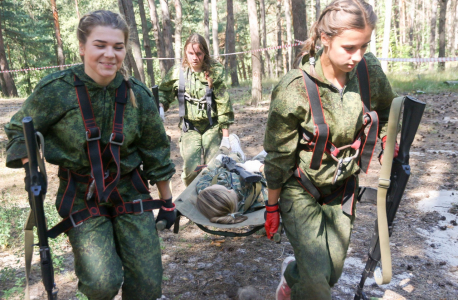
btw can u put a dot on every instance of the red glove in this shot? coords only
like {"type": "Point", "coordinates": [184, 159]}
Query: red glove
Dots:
{"type": "Point", "coordinates": [396, 149]}
{"type": "Point", "coordinates": [272, 217]}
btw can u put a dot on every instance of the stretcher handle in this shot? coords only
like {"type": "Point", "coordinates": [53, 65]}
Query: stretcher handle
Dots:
{"type": "Point", "coordinates": [161, 225]}
{"type": "Point", "coordinates": [277, 235]}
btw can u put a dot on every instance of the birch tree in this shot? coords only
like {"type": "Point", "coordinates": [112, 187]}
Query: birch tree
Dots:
{"type": "Point", "coordinates": [215, 29]}
{"type": "Point", "coordinates": [386, 34]}
{"type": "Point", "coordinates": [432, 38]}
{"type": "Point", "coordinates": [206, 23]}
{"type": "Point", "coordinates": [262, 7]}
{"type": "Point", "coordinates": [288, 31]}
{"type": "Point", "coordinates": [256, 87]}
{"type": "Point", "coordinates": [279, 42]}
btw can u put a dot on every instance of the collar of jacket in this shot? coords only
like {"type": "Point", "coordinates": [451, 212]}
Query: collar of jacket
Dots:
{"type": "Point", "coordinates": [91, 85]}
{"type": "Point", "coordinates": [305, 65]}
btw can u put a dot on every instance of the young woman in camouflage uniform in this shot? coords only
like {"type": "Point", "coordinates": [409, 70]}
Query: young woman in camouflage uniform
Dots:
{"type": "Point", "coordinates": [320, 231]}
{"type": "Point", "coordinates": [121, 248]}
{"type": "Point", "coordinates": [200, 72]}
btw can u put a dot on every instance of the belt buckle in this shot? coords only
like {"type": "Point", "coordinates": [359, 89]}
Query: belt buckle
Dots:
{"type": "Point", "coordinates": [73, 222]}
{"type": "Point", "coordinates": [141, 206]}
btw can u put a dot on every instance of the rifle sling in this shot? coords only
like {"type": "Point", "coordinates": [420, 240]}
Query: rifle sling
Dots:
{"type": "Point", "coordinates": [383, 185]}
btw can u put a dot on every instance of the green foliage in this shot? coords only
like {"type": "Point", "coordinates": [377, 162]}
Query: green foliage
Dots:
{"type": "Point", "coordinates": [428, 82]}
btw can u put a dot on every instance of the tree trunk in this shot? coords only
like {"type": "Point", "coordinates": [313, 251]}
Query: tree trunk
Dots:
{"type": "Point", "coordinates": [279, 54]}
{"type": "Point", "coordinates": [178, 28]}
{"type": "Point", "coordinates": [157, 37]}
{"type": "Point", "coordinates": [386, 34]}
{"type": "Point", "coordinates": [264, 35]}
{"type": "Point", "coordinates": [6, 79]}
{"type": "Point", "coordinates": [206, 23]}
{"type": "Point", "coordinates": [60, 48]}
{"type": "Point", "coordinates": [299, 23]}
{"type": "Point", "coordinates": [77, 10]}
{"type": "Point", "coordinates": [256, 87]}
{"type": "Point", "coordinates": [402, 21]}
{"type": "Point", "coordinates": [317, 9]}
{"type": "Point", "coordinates": [167, 33]}
{"type": "Point", "coordinates": [373, 44]}
{"type": "Point", "coordinates": [146, 43]}
{"type": "Point", "coordinates": [129, 15]}
{"type": "Point", "coordinates": [215, 29]}
{"type": "Point", "coordinates": [442, 22]}
{"type": "Point", "coordinates": [432, 39]}
{"type": "Point", "coordinates": [288, 32]}
{"type": "Point", "coordinates": [285, 53]}
{"type": "Point", "coordinates": [230, 43]}
{"type": "Point", "coordinates": [244, 67]}
{"type": "Point", "coordinates": [453, 28]}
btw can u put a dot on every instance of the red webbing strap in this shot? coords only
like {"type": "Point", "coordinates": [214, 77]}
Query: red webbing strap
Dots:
{"type": "Point", "coordinates": [364, 85]}
{"type": "Point", "coordinates": [368, 148]}
{"type": "Point", "coordinates": [93, 136]}
{"type": "Point", "coordinates": [321, 128]}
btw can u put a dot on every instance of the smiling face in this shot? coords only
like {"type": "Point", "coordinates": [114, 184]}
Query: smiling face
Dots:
{"type": "Point", "coordinates": [103, 53]}
{"type": "Point", "coordinates": [346, 50]}
{"type": "Point", "coordinates": [195, 57]}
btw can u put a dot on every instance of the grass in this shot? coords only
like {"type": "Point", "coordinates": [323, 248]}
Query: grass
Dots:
{"type": "Point", "coordinates": [427, 82]}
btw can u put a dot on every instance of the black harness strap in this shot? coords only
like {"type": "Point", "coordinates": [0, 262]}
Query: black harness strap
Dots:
{"type": "Point", "coordinates": [93, 136]}
{"type": "Point", "coordinates": [364, 85]}
{"type": "Point", "coordinates": [188, 125]}
{"type": "Point", "coordinates": [321, 128]}
{"type": "Point", "coordinates": [368, 148]}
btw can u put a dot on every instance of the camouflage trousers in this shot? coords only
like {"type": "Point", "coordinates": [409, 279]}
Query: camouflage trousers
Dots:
{"type": "Point", "coordinates": [320, 236]}
{"type": "Point", "coordinates": [193, 145]}
{"type": "Point", "coordinates": [122, 251]}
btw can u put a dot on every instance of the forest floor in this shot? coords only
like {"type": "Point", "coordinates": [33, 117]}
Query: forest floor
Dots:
{"type": "Point", "coordinates": [202, 266]}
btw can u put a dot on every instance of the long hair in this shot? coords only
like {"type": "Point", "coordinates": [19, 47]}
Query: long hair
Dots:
{"type": "Point", "coordinates": [338, 16]}
{"type": "Point", "coordinates": [108, 19]}
{"type": "Point", "coordinates": [197, 39]}
{"type": "Point", "coordinates": [217, 204]}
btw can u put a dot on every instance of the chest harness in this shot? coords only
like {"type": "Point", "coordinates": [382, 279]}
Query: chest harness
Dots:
{"type": "Point", "coordinates": [318, 142]}
{"type": "Point", "coordinates": [204, 103]}
{"type": "Point", "coordinates": [100, 181]}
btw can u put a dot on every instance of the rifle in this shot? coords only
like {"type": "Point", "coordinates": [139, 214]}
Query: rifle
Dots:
{"type": "Point", "coordinates": [37, 193]}
{"type": "Point", "coordinates": [231, 165]}
{"type": "Point", "coordinates": [400, 173]}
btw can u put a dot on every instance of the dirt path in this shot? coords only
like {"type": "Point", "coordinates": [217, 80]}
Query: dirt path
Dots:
{"type": "Point", "coordinates": [202, 266]}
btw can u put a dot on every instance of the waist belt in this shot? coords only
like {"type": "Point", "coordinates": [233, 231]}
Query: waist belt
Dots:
{"type": "Point", "coordinates": [347, 189]}
{"type": "Point", "coordinates": [188, 125]}
{"type": "Point", "coordinates": [93, 209]}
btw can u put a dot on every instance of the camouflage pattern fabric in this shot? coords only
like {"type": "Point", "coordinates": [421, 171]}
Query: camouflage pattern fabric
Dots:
{"type": "Point", "coordinates": [104, 250]}
{"type": "Point", "coordinates": [192, 144]}
{"type": "Point", "coordinates": [320, 236]}
{"type": "Point", "coordinates": [230, 180]}
{"type": "Point", "coordinates": [196, 87]}
{"type": "Point", "coordinates": [343, 113]}
{"type": "Point", "coordinates": [56, 113]}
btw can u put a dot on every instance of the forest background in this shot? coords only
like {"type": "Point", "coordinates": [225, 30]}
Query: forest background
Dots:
{"type": "Point", "coordinates": [42, 33]}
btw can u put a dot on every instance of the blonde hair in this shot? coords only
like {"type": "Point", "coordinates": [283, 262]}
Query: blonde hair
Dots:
{"type": "Point", "coordinates": [217, 203]}
{"type": "Point", "coordinates": [108, 19]}
{"type": "Point", "coordinates": [197, 39]}
{"type": "Point", "coordinates": [338, 16]}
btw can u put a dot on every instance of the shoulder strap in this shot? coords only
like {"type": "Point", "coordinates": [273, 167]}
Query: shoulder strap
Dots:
{"type": "Point", "coordinates": [364, 85]}
{"type": "Point", "coordinates": [208, 99]}
{"type": "Point", "coordinates": [181, 91]}
{"type": "Point", "coordinates": [321, 128]}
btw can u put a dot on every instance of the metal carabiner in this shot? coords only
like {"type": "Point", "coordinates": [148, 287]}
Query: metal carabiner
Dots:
{"type": "Point", "coordinates": [338, 171]}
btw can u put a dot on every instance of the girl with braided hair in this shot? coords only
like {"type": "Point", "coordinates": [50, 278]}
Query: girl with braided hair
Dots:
{"type": "Point", "coordinates": [316, 144]}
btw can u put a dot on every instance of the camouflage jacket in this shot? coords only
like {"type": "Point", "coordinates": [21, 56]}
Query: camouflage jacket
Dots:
{"type": "Point", "coordinates": [231, 181]}
{"type": "Point", "coordinates": [196, 87]}
{"type": "Point", "coordinates": [56, 114]}
{"type": "Point", "coordinates": [290, 109]}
